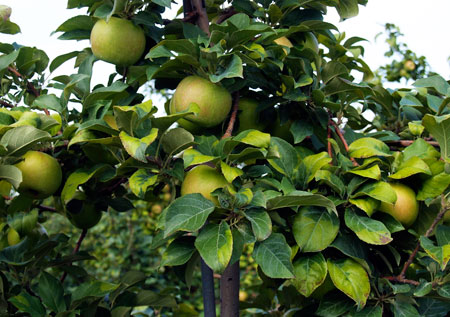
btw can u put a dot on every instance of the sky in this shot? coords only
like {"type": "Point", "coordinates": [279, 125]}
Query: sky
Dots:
{"type": "Point", "coordinates": [423, 24]}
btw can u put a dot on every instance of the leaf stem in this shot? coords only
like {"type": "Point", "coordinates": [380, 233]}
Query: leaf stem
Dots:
{"type": "Point", "coordinates": [341, 137]}
{"type": "Point", "coordinates": [75, 250]}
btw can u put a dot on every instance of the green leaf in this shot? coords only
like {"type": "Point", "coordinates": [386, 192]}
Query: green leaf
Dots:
{"type": "Point", "coordinates": [439, 127]}
{"type": "Point", "coordinates": [288, 159]}
{"type": "Point", "coordinates": [411, 167]}
{"type": "Point", "coordinates": [368, 147]}
{"type": "Point", "coordinates": [441, 254]}
{"type": "Point", "coordinates": [379, 191]}
{"type": "Point", "coordinates": [368, 230]}
{"type": "Point", "coordinates": [11, 174]}
{"type": "Point", "coordinates": [215, 245]}
{"type": "Point", "coordinates": [50, 102]}
{"type": "Point", "coordinates": [434, 186]}
{"type": "Point", "coordinates": [176, 140]}
{"type": "Point", "coordinates": [141, 180]}
{"type": "Point", "coordinates": [194, 157]}
{"type": "Point", "coordinates": [350, 278]}
{"type": "Point", "coordinates": [178, 252]}
{"type": "Point", "coordinates": [444, 290]}
{"type": "Point", "coordinates": [333, 69]}
{"type": "Point", "coordinates": [51, 292]}
{"type": "Point", "coordinates": [314, 228]}
{"type": "Point", "coordinates": [20, 139]}
{"type": "Point", "coordinates": [367, 204]}
{"type": "Point", "coordinates": [311, 164]}
{"type": "Point", "coordinates": [137, 147]}
{"type": "Point", "coordinates": [254, 138]}
{"type": "Point", "coordinates": [404, 309]}
{"type": "Point", "coordinates": [436, 82]}
{"type": "Point", "coordinates": [94, 288]}
{"type": "Point", "coordinates": [310, 272]}
{"type": "Point", "coordinates": [6, 60]}
{"type": "Point", "coordinates": [230, 172]}
{"type": "Point", "coordinates": [372, 172]}
{"type": "Point", "coordinates": [347, 8]}
{"type": "Point", "coordinates": [61, 59]}
{"type": "Point", "coordinates": [29, 304]}
{"type": "Point", "coordinates": [8, 27]}
{"type": "Point", "coordinates": [334, 304]}
{"type": "Point", "coordinates": [187, 213]}
{"type": "Point", "coordinates": [77, 178]}
{"type": "Point", "coordinates": [261, 223]}
{"type": "Point", "coordinates": [273, 255]}
{"type": "Point", "coordinates": [233, 69]}
{"type": "Point", "coordinates": [421, 149]}
{"type": "Point", "coordinates": [300, 198]}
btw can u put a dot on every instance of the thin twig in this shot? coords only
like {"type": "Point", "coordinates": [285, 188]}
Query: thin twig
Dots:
{"type": "Point", "coordinates": [30, 86]}
{"type": "Point", "coordinates": [330, 152]}
{"type": "Point", "coordinates": [230, 127]}
{"type": "Point", "coordinates": [405, 143]}
{"type": "Point", "coordinates": [6, 104]}
{"type": "Point", "coordinates": [46, 208]}
{"type": "Point", "coordinates": [75, 250]}
{"type": "Point", "coordinates": [341, 136]}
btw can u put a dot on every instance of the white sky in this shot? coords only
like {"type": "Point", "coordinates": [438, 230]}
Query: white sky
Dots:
{"type": "Point", "coordinates": [423, 23]}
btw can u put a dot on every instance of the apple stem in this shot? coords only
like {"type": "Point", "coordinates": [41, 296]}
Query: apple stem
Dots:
{"type": "Point", "coordinates": [230, 127]}
{"type": "Point", "coordinates": [75, 250]}
{"type": "Point", "coordinates": [401, 277]}
{"type": "Point", "coordinates": [341, 137]}
{"type": "Point", "coordinates": [30, 86]}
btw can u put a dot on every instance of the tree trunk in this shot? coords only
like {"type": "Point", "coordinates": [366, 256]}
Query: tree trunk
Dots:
{"type": "Point", "coordinates": [209, 300]}
{"type": "Point", "coordinates": [229, 291]}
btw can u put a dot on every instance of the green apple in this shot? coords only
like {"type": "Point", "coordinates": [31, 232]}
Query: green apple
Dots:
{"type": "Point", "coordinates": [41, 175]}
{"type": "Point", "coordinates": [82, 214]}
{"type": "Point", "coordinates": [117, 41]}
{"type": "Point", "coordinates": [213, 100]}
{"type": "Point", "coordinates": [406, 208]}
{"type": "Point", "coordinates": [248, 116]}
{"type": "Point", "coordinates": [13, 237]}
{"type": "Point", "coordinates": [203, 179]}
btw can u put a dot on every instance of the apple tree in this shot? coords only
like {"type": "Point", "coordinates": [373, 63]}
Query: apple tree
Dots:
{"type": "Point", "coordinates": [285, 161]}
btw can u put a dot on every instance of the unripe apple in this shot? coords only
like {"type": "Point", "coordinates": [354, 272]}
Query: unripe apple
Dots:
{"type": "Point", "coordinates": [213, 100]}
{"type": "Point", "coordinates": [248, 117]}
{"type": "Point", "coordinates": [82, 213]}
{"type": "Point", "coordinates": [203, 179]}
{"type": "Point", "coordinates": [13, 237]}
{"type": "Point", "coordinates": [117, 41]}
{"type": "Point", "coordinates": [41, 175]}
{"type": "Point", "coordinates": [406, 208]}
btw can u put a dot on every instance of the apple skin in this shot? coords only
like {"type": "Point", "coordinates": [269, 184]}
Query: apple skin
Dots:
{"type": "Point", "coordinates": [82, 214]}
{"type": "Point", "coordinates": [13, 237]}
{"type": "Point", "coordinates": [41, 175]}
{"type": "Point", "coordinates": [213, 100]}
{"type": "Point", "coordinates": [406, 208]}
{"type": "Point", "coordinates": [203, 179]}
{"type": "Point", "coordinates": [117, 41]}
{"type": "Point", "coordinates": [248, 117]}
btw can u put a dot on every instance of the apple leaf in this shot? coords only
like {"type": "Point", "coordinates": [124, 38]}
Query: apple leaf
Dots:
{"type": "Point", "coordinates": [194, 157]}
{"type": "Point", "coordinates": [411, 167]}
{"type": "Point", "coordinates": [29, 304]}
{"type": "Point", "coordinates": [441, 254]}
{"type": "Point", "coordinates": [300, 198]}
{"type": "Point", "coordinates": [368, 230]}
{"type": "Point", "coordinates": [434, 186]}
{"type": "Point", "coordinates": [436, 82]}
{"type": "Point", "coordinates": [233, 69]}
{"type": "Point", "coordinates": [254, 138]}
{"type": "Point", "coordinates": [11, 174]}
{"type": "Point", "coordinates": [178, 252]}
{"type": "Point", "coordinates": [372, 172]}
{"type": "Point", "coordinates": [137, 147]}
{"type": "Point", "coordinates": [51, 292]}
{"type": "Point", "coordinates": [367, 204]}
{"type": "Point", "coordinates": [310, 272]}
{"type": "Point", "coordinates": [176, 140]}
{"type": "Point", "coordinates": [368, 147]}
{"type": "Point", "coordinates": [379, 191]}
{"type": "Point", "coordinates": [261, 223]}
{"type": "Point", "coordinates": [20, 139]}
{"type": "Point", "coordinates": [215, 245]}
{"type": "Point", "coordinates": [314, 228]}
{"type": "Point", "coordinates": [439, 127]}
{"type": "Point", "coordinates": [350, 277]}
{"type": "Point", "coordinates": [230, 172]}
{"type": "Point", "coordinates": [288, 160]}
{"type": "Point", "coordinates": [187, 213]}
{"type": "Point", "coordinates": [273, 255]}
{"type": "Point", "coordinates": [141, 180]}
{"type": "Point", "coordinates": [49, 101]}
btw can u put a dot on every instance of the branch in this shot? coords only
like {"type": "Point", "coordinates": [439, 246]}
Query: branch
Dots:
{"type": "Point", "coordinates": [75, 250]}
{"type": "Point", "coordinates": [341, 136]}
{"type": "Point", "coordinates": [46, 208]}
{"type": "Point", "coordinates": [330, 152]}
{"type": "Point", "coordinates": [405, 143]}
{"type": "Point", "coordinates": [195, 11]}
{"type": "Point", "coordinates": [226, 14]}
{"type": "Point", "coordinates": [30, 86]}
{"type": "Point", "coordinates": [6, 104]}
{"type": "Point", "coordinates": [230, 127]}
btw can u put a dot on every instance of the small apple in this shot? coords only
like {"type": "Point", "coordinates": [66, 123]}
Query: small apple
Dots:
{"type": "Point", "coordinates": [406, 208]}
{"type": "Point", "coordinates": [41, 175]}
{"type": "Point", "coordinates": [13, 237]}
{"type": "Point", "coordinates": [248, 117]}
{"type": "Point", "coordinates": [203, 179]}
{"type": "Point", "coordinates": [409, 65]}
{"type": "Point", "coordinates": [82, 214]}
{"type": "Point", "coordinates": [117, 41]}
{"type": "Point", "coordinates": [213, 100]}
{"type": "Point", "coordinates": [5, 12]}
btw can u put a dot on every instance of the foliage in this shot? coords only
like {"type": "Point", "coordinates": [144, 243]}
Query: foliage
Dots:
{"type": "Point", "coordinates": [301, 208]}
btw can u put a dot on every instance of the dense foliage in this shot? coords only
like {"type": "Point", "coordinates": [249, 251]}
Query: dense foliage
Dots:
{"type": "Point", "coordinates": [301, 198]}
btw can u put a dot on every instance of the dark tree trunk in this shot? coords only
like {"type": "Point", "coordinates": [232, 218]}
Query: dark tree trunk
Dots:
{"type": "Point", "coordinates": [229, 291]}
